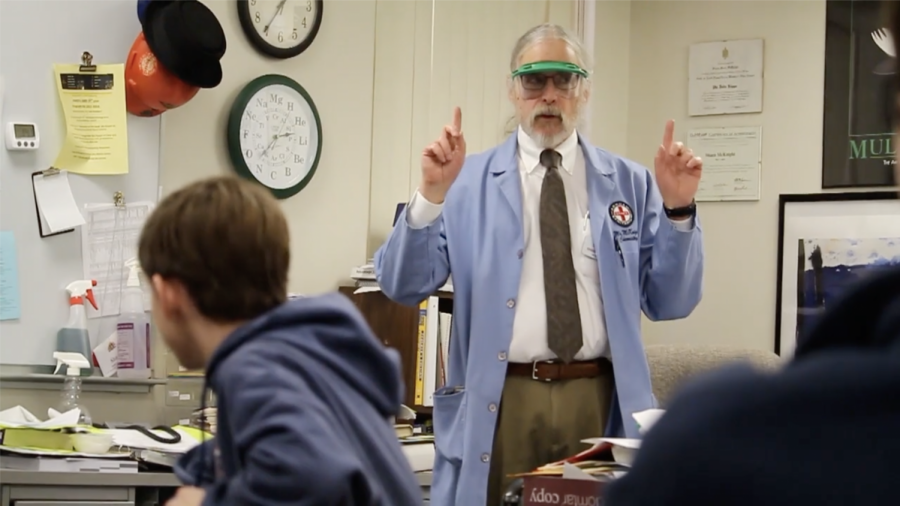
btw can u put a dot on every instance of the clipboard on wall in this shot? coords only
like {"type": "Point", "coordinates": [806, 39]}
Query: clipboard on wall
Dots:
{"type": "Point", "coordinates": [52, 171]}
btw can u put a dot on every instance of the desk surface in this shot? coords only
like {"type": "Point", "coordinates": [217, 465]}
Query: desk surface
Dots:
{"type": "Point", "coordinates": [13, 477]}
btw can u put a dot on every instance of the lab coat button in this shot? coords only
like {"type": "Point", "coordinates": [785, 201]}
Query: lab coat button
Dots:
{"type": "Point", "coordinates": [519, 253]}
{"type": "Point", "coordinates": [492, 407]}
{"type": "Point", "coordinates": [511, 303]}
{"type": "Point", "coordinates": [485, 457]}
{"type": "Point", "coordinates": [501, 356]}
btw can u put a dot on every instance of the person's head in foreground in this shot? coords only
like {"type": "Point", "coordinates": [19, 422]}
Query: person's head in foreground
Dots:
{"type": "Point", "coordinates": [549, 83]}
{"type": "Point", "coordinates": [216, 254]}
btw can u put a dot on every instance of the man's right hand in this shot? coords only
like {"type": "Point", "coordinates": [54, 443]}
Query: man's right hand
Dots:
{"type": "Point", "coordinates": [442, 160]}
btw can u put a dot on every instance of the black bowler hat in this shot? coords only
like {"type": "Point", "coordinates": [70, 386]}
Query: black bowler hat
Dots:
{"type": "Point", "coordinates": [187, 39]}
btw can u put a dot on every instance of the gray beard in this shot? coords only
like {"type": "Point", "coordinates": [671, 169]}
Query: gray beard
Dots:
{"type": "Point", "coordinates": [545, 141]}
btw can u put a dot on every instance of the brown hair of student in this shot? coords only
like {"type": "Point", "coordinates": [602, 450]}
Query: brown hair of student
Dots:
{"type": "Point", "coordinates": [226, 240]}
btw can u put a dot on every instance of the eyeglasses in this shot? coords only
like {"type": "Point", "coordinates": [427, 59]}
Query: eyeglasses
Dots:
{"type": "Point", "coordinates": [534, 77]}
{"type": "Point", "coordinates": [534, 84]}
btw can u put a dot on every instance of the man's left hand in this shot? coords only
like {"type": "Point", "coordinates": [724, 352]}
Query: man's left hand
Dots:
{"type": "Point", "coordinates": [187, 496]}
{"type": "Point", "coordinates": [677, 170]}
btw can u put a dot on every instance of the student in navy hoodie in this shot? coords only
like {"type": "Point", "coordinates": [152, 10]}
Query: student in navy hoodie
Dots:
{"type": "Point", "coordinates": [304, 390]}
{"type": "Point", "coordinates": [823, 431]}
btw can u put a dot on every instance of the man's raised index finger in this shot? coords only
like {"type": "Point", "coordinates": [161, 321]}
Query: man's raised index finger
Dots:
{"type": "Point", "coordinates": [669, 133]}
{"type": "Point", "coordinates": [457, 120]}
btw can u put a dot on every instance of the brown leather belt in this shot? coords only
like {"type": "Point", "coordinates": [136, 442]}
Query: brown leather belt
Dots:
{"type": "Point", "coordinates": [553, 370]}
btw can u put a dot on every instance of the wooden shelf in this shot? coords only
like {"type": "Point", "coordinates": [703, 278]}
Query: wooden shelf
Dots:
{"type": "Point", "coordinates": [396, 326]}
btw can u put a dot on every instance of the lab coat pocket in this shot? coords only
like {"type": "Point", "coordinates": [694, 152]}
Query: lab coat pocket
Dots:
{"type": "Point", "coordinates": [630, 263]}
{"type": "Point", "coordinates": [630, 253]}
{"type": "Point", "coordinates": [449, 417]}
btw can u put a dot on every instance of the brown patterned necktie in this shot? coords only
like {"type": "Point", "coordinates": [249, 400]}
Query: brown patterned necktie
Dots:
{"type": "Point", "coordinates": [564, 334]}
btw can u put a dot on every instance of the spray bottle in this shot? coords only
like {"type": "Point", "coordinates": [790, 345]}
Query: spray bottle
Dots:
{"type": "Point", "coordinates": [74, 338]}
{"type": "Point", "coordinates": [133, 329]}
{"type": "Point", "coordinates": [71, 392]}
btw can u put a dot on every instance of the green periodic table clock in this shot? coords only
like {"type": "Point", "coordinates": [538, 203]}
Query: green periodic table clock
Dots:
{"type": "Point", "coordinates": [275, 134]}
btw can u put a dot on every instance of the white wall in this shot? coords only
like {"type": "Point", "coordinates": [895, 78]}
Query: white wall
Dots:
{"type": "Point", "coordinates": [329, 218]}
{"type": "Point", "coordinates": [611, 79]}
{"type": "Point", "coordinates": [738, 307]}
{"type": "Point", "coordinates": [413, 100]}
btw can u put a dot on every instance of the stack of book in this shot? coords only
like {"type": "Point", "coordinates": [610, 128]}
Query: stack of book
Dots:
{"type": "Point", "coordinates": [205, 419]}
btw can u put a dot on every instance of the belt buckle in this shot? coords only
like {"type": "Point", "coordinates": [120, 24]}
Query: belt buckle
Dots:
{"type": "Point", "coordinates": [534, 376]}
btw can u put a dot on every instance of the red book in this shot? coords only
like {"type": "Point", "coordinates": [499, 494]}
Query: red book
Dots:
{"type": "Point", "coordinates": [553, 491]}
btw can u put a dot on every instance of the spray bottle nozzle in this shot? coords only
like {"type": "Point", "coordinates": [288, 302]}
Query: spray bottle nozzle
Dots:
{"type": "Point", "coordinates": [134, 270]}
{"type": "Point", "coordinates": [75, 362]}
{"type": "Point", "coordinates": [82, 289]}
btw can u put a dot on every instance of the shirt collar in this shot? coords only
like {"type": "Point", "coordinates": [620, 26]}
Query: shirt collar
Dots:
{"type": "Point", "coordinates": [530, 152]}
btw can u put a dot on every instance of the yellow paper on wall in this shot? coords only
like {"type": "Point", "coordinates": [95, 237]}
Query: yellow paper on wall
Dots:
{"type": "Point", "coordinates": [93, 105]}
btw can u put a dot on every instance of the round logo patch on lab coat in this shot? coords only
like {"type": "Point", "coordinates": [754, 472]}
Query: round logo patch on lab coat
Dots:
{"type": "Point", "coordinates": [621, 213]}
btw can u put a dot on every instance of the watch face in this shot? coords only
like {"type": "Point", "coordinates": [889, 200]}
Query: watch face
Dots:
{"type": "Point", "coordinates": [281, 28]}
{"type": "Point", "coordinates": [279, 137]}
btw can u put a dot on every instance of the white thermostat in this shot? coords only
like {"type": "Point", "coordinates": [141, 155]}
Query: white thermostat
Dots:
{"type": "Point", "coordinates": [22, 136]}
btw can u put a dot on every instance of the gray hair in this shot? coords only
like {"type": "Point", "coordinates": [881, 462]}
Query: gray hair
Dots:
{"type": "Point", "coordinates": [546, 31]}
{"type": "Point", "coordinates": [549, 31]}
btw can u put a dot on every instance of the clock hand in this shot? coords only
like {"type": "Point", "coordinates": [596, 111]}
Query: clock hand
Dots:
{"type": "Point", "coordinates": [275, 137]}
{"type": "Point", "coordinates": [277, 13]}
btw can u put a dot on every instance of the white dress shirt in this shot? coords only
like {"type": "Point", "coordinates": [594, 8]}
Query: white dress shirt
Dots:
{"type": "Point", "coordinates": [529, 335]}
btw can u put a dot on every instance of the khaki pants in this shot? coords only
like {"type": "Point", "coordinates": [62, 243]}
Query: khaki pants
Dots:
{"type": "Point", "coordinates": [541, 422]}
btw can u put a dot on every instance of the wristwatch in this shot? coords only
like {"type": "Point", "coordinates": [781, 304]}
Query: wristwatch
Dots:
{"type": "Point", "coordinates": [682, 212]}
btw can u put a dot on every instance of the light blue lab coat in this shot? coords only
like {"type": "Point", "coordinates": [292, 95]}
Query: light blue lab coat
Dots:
{"type": "Point", "coordinates": [479, 238]}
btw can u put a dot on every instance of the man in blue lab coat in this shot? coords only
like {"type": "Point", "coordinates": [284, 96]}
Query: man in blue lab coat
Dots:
{"type": "Point", "coordinates": [555, 246]}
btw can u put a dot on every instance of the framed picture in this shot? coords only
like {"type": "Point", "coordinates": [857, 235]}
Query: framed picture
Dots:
{"type": "Point", "coordinates": [857, 138]}
{"type": "Point", "coordinates": [826, 242]}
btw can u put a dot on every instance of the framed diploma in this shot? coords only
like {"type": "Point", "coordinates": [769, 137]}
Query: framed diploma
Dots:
{"type": "Point", "coordinates": [827, 242]}
{"type": "Point", "coordinates": [725, 77]}
{"type": "Point", "coordinates": [857, 138]}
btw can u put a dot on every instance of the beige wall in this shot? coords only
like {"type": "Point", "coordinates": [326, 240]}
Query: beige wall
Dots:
{"type": "Point", "coordinates": [738, 307]}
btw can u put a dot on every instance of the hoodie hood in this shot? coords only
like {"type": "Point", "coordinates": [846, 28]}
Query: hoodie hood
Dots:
{"type": "Point", "coordinates": [867, 317]}
{"type": "Point", "coordinates": [327, 339]}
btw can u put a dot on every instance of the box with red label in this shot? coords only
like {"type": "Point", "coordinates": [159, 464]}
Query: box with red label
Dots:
{"type": "Point", "coordinates": [556, 491]}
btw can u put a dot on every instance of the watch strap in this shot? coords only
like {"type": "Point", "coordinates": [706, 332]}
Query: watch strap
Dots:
{"type": "Point", "coordinates": [681, 212]}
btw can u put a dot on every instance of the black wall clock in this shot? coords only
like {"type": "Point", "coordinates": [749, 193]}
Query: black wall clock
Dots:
{"type": "Point", "coordinates": [280, 28]}
{"type": "Point", "coordinates": [275, 135]}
